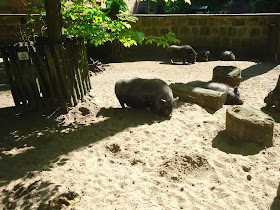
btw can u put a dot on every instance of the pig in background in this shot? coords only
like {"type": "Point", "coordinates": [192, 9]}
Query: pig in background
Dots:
{"type": "Point", "coordinates": [203, 55]}
{"type": "Point", "coordinates": [233, 95]}
{"type": "Point", "coordinates": [146, 93]}
{"type": "Point", "coordinates": [227, 55]}
{"type": "Point", "coordinates": [184, 53]}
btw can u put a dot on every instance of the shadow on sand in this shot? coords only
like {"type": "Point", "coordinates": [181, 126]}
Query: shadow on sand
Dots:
{"type": "Point", "coordinates": [272, 112]}
{"type": "Point", "coordinates": [42, 141]}
{"type": "Point", "coordinates": [275, 204]}
{"type": "Point", "coordinates": [224, 143]}
{"type": "Point", "coordinates": [256, 70]}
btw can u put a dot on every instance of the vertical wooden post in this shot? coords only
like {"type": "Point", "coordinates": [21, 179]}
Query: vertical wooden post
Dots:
{"type": "Point", "coordinates": [14, 90]}
{"type": "Point", "coordinates": [277, 55]}
{"type": "Point", "coordinates": [54, 20]}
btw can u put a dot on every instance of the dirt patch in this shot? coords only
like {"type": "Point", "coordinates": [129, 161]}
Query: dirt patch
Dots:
{"type": "Point", "coordinates": [115, 158]}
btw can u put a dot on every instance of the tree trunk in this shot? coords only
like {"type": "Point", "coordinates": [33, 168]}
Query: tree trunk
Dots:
{"type": "Point", "coordinates": [54, 20]}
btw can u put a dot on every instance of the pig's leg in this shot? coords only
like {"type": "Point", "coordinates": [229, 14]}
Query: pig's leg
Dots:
{"type": "Point", "coordinates": [122, 102]}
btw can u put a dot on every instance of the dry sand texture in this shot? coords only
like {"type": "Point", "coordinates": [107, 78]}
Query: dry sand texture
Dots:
{"type": "Point", "coordinates": [111, 158]}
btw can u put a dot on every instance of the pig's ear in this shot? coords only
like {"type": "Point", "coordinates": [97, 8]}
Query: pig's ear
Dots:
{"type": "Point", "coordinates": [235, 90]}
{"type": "Point", "coordinates": [162, 100]}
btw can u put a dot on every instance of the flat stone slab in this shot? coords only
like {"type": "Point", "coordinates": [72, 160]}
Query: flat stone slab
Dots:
{"type": "Point", "coordinates": [230, 75]}
{"type": "Point", "coordinates": [204, 97]}
{"type": "Point", "coordinates": [248, 124]}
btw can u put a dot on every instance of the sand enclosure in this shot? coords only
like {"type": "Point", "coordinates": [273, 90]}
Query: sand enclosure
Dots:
{"type": "Point", "coordinates": [109, 158]}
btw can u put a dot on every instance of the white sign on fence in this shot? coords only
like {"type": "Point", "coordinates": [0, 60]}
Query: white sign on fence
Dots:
{"type": "Point", "coordinates": [23, 56]}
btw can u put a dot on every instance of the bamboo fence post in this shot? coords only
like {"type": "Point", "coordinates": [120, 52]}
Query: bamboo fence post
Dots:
{"type": "Point", "coordinates": [80, 66]}
{"type": "Point", "coordinates": [54, 76]}
{"type": "Point", "coordinates": [70, 74]}
{"type": "Point", "coordinates": [7, 67]}
{"type": "Point", "coordinates": [30, 73]}
{"type": "Point", "coordinates": [86, 68]}
{"type": "Point", "coordinates": [73, 67]}
{"type": "Point", "coordinates": [77, 69]}
{"type": "Point", "coordinates": [63, 75]}
{"type": "Point", "coordinates": [22, 76]}
{"type": "Point", "coordinates": [43, 90]}
{"type": "Point", "coordinates": [19, 84]}
{"type": "Point", "coordinates": [26, 77]}
{"type": "Point", "coordinates": [50, 87]}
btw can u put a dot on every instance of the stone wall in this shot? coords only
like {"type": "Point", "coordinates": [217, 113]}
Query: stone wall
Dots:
{"type": "Point", "coordinates": [18, 6]}
{"type": "Point", "coordinates": [248, 35]}
{"type": "Point", "coordinates": [13, 27]}
{"type": "Point", "coordinates": [253, 35]}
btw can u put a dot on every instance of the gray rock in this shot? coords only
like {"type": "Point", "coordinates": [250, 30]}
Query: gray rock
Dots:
{"type": "Point", "coordinates": [248, 124]}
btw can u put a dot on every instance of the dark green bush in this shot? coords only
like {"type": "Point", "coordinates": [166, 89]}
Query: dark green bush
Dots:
{"type": "Point", "coordinates": [180, 7]}
{"type": "Point", "coordinates": [215, 6]}
{"type": "Point", "coordinates": [266, 6]}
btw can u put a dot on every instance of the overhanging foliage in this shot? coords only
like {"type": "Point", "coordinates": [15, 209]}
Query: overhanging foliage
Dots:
{"type": "Point", "coordinates": [99, 25]}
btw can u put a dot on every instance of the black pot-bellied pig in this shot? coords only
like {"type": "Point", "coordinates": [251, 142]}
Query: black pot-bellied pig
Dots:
{"type": "Point", "coordinates": [203, 56]}
{"type": "Point", "coordinates": [183, 53]}
{"type": "Point", "coordinates": [227, 55]}
{"type": "Point", "coordinates": [146, 93]}
{"type": "Point", "coordinates": [233, 95]}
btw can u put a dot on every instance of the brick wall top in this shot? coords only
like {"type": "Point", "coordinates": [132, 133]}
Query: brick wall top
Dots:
{"type": "Point", "coordinates": [15, 15]}
{"type": "Point", "coordinates": [207, 15]}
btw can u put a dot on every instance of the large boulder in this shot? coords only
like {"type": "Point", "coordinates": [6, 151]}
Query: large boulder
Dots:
{"type": "Point", "coordinates": [248, 124]}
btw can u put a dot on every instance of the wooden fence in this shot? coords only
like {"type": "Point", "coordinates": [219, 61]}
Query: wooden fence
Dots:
{"type": "Point", "coordinates": [43, 75]}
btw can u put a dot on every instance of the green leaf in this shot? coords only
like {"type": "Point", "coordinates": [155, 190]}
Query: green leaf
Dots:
{"type": "Point", "coordinates": [73, 17]}
{"type": "Point", "coordinates": [127, 25]}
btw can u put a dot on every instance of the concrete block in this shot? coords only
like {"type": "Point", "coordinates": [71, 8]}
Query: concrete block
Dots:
{"type": "Point", "coordinates": [223, 31]}
{"type": "Point", "coordinates": [202, 21]}
{"type": "Point", "coordinates": [248, 124]}
{"type": "Point", "coordinates": [238, 22]}
{"type": "Point", "coordinates": [230, 75]}
{"type": "Point", "coordinates": [213, 21]}
{"type": "Point", "coordinates": [224, 21]}
{"type": "Point", "coordinates": [242, 31]}
{"type": "Point", "coordinates": [232, 31]}
{"type": "Point", "coordinates": [195, 31]}
{"type": "Point", "coordinates": [204, 31]}
{"type": "Point", "coordinates": [165, 22]}
{"type": "Point", "coordinates": [146, 22]}
{"type": "Point", "coordinates": [164, 31]}
{"type": "Point", "coordinates": [252, 21]}
{"type": "Point", "coordinates": [214, 31]}
{"type": "Point", "coordinates": [255, 32]}
{"type": "Point", "coordinates": [192, 21]}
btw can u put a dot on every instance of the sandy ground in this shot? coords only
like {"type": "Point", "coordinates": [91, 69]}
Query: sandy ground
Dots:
{"type": "Point", "coordinates": [111, 158]}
